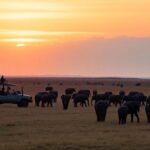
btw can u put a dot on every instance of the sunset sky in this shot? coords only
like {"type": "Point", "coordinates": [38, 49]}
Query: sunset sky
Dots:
{"type": "Point", "coordinates": [75, 38]}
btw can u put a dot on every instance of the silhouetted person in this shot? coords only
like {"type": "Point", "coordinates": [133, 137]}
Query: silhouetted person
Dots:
{"type": "Point", "coordinates": [3, 80]}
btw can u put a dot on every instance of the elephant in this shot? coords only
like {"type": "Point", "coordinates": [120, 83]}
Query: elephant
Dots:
{"type": "Point", "coordinates": [44, 98]}
{"type": "Point", "coordinates": [133, 109]}
{"type": "Point", "coordinates": [101, 110]}
{"type": "Point", "coordinates": [86, 92]}
{"type": "Point", "coordinates": [48, 99]}
{"type": "Point", "coordinates": [80, 98]}
{"type": "Point", "coordinates": [139, 97]}
{"type": "Point", "coordinates": [65, 101]}
{"type": "Point", "coordinates": [70, 91]}
{"type": "Point", "coordinates": [55, 95]}
{"type": "Point", "coordinates": [115, 99]}
{"type": "Point", "coordinates": [142, 98]}
{"type": "Point", "coordinates": [122, 114]}
{"type": "Point", "coordinates": [99, 97]}
{"type": "Point", "coordinates": [38, 98]}
{"type": "Point", "coordinates": [147, 109]}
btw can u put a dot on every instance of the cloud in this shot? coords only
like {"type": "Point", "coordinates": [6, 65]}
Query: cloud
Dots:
{"type": "Point", "coordinates": [122, 56]}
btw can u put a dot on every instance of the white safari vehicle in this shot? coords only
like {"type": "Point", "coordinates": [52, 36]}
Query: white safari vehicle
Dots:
{"type": "Point", "coordinates": [19, 98]}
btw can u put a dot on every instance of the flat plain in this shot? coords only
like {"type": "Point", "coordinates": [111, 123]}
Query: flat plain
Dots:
{"type": "Point", "coordinates": [35, 128]}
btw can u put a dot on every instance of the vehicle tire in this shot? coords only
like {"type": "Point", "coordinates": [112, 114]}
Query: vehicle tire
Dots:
{"type": "Point", "coordinates": [23, 103]}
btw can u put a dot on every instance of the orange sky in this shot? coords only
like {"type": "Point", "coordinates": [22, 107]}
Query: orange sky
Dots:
{"type": "Point", "coordinates": [35, 34]}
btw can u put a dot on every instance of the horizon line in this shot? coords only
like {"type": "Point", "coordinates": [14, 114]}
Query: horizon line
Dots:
{"type": "Point", "coordinates": [75, 76]}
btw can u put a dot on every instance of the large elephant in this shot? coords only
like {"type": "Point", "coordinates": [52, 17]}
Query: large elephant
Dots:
{"type": "Point", "coordinates": [133, 109]}
{"type": "Point", "coordinates": [65, 101]}
{"type": "Point", "coordinates": [101, 110]}
{"type": "Point", "coordinates": [55, 95]}
{"type": "Point", "coordinates": [80, 98]}
{"type": "Point", "coordinates": [38, 98]}
{"type": "Point", "coordinates": [141, 97]}
{"type": "Point", "coordinates": [44, 98]}
{"type": "Point", "coordinates": [48, 99]}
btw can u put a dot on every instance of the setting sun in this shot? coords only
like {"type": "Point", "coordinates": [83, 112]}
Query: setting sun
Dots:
{"type": "Point", "coordinates": [20, 45]}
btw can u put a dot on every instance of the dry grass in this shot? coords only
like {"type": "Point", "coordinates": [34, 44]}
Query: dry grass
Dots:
{"type": "Point", "coordinates": [76, 129]}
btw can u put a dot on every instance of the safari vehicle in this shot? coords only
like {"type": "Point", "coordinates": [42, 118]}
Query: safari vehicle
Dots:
{"type": "Point", "coordinates": [19, 98]}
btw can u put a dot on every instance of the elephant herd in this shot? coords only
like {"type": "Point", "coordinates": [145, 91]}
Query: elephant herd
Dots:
{"type": "Point", "coordinates": [129, 104]}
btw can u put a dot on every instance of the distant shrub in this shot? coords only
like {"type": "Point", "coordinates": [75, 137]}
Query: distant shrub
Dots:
{"type": "Point", "coordinates": [60, 83]}
{"type": "Point", "coordinates": [138, 84]}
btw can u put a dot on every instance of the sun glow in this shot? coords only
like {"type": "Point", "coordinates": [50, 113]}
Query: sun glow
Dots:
{"type": "Point", "coordinates": [20, 45]}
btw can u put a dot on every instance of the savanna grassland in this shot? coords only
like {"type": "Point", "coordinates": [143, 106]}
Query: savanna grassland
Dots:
{"type": "Point", "coordinates": [75, 129]}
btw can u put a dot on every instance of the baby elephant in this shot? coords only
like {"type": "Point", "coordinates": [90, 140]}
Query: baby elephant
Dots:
{"type": "Point", "coordinates": [122, 114]}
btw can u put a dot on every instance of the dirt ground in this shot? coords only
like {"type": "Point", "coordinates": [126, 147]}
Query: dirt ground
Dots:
{"type": "Point", "coordinates": [75, 129]}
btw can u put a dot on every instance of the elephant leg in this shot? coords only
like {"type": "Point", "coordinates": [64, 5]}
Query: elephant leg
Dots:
{"type": "Point", "coordinates": [148, 118]}
{"type": "Point", "coordinates": [85, 104]}
{"type": "Point", "coordinates": [98, 116]}
{"type": "Point", "coordinates": [88, 102]}
{"type": "Point", "coordinates": [119, 119]}
{"type": "Point", "coordinates": [75, 104]}
{"type": "Point", "coordinates": [43, 105]}
{"type": "Point", "coordinates": [125, 119]}
{"type": "Point", "coordinates": [91, 102]}
{"type": "Point", "coordinates": [137, 116]}
{"type": "Point", "coordinates": [65, 107]}
{"type": "Point", "coordinates": [38, 103]}
{"type": "Point", "coordinates": [143, 103]}
{"type": "Point", "coordinates": [48, 104]}
{"type": "Point", "coordinates": [104, 116]}
{"type": "Point", "coordinates": [124, 122]}
{"type": "Point", "coordinates": [51, 104]}
{"type": "Point", "coordinates": [132, 117]}
{"type": "Point", "coordinates": [120, 103]}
